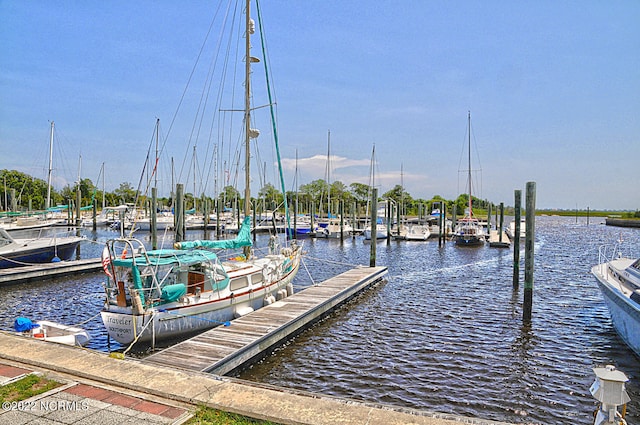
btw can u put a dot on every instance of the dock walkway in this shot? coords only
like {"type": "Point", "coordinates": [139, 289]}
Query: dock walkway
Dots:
{"type": "Point", "coordinates": [48, 270]}
{"type": "Point", "coordinates": [497, 242]}
{"type": "Point", "coordinates": [224, 349]}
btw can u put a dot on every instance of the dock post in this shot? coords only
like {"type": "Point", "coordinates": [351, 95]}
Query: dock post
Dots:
{"type": "Point", "coordinates": [516, 239]}
{"type": "Point", "coordinates": [587, 216]}
{"type": "Point", "coordinates": [489, 219]}
{"type": "Point", "coordinates": [95, 224]}
{"type": "Point", "coordinates": [398, 215]}
{"type": "Point", "coordinates": [501, 222]}
{"type": "Point", "coordinates": [440, 224]}
{"type": "Point", "coordinates": [341, 207]}
{"type": "Point", "coordinates": [388, 219]}
{"type": "Point", "coordinates": [312, 231]}
{"type": "Point", "coordinates": [374, 226]}
{"type": "Point", "coordinates": [353, 221]}
{"type": "Point", "coordinates": [205, 216]}
{"type": "Point", "coordinates": [153, 224]}
{"type": "Point", "coordinates": [179, 212]}
{"type": "Point", "coordinates": [529, 251]}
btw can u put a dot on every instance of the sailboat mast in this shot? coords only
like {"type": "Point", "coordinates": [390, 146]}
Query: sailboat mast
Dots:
{"type": "Point", "coordinates": [48, 204]}
{"type": "Point", "coordinates": [247, 112]}
{"type": "Point", "coordinates": [328, 174]}
{"type": "Point", "coordinates": [469, 155]}
{"type": "Point", "coordinates": [103, 195]}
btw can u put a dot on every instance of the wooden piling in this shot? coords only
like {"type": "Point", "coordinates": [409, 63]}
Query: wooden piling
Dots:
{"type": "Point", "coordinates": [179, 212]}
{"type": "Point", "coordinates": [94, 216]}
{"type": "Point", "coordinates": [500, 231]}
{"type": "Point", "coordinates": [374, 228]}
{"type": "Point", "coordinates": [341, 209]}
{"type": "Point", "coordinates": [388, 219]}
{"type": "Point", "coordinates": [489, 219]}
{"type": "Point", "coordinates": [516, 239]}
{"type": "Point", "coordinates": [354, 225]}
{"type": "Point", "coordinates": [529, 251]}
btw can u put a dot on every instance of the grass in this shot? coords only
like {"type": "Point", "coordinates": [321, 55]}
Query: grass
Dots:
{"type": "Point", "coordinates": [26, 387]}
{"type": "Point", "coordinates": [208, 416]}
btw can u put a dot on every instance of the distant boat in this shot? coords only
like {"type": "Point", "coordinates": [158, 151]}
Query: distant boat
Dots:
{"type": "Point", "coordinates": [52, 332]}
{"type": "Point", "coordinates": [619, 282]}
{"type": "Point", "coordinates": [381, 226]}
{"type": "Point", "coordinates": [469, 231]}
{"type": "Point", "coordinates": [16, 252]}
{"type": "Point", "coordinates": [418, 232]}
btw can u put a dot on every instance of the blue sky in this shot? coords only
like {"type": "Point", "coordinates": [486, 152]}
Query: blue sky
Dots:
{"type": "Point", "coordinates": [553, 89]}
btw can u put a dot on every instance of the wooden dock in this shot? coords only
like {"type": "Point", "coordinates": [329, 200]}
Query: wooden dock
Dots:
{"type": "Point", "coordinates": [496, 241]}
{"type": "Point", "coordinates": [48, 270]}
{"type": "Point", "coordinates": [224, 349]}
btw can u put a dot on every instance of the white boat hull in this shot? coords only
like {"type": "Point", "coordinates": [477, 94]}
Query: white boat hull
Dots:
{"type": "Point", "coordinates": [177, 320]}
{"type": "Point", "coordinates": [625, 313]}
{"type": "Point", "coordinates": [61, 334]}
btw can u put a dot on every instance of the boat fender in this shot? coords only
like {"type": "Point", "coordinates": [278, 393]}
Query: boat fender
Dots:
{"type": "Point", "coordinates": [279, 295]}
{"type": "Point", "coordinates": [267, 301]}
{"type": "Point", "coordinates": [289, 289]}
{"type": "Point", "coordinates": [242, 311]}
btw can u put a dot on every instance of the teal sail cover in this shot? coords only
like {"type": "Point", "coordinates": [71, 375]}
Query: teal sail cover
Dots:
{"type": "Point", "coordinates": [243, 239]}
{"type": "Point", "coordinates": [164, 257]}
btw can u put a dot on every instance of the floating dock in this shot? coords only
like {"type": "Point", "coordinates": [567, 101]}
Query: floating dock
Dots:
{"type": "Point", "coordinates": [48, 270]}
{"type": "Point", "coordinates": [499, 239]}
{"type": "Point", "coordinates": [226, 348]}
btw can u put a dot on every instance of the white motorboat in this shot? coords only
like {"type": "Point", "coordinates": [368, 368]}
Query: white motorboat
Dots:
{"type": "Point", "coordinates": [52, 332]}
{"type": "Point", "coordinates": [618, 278]}
{"type": "Point", "coordinates": [417, 232]}
{"type": "Point", "coordinates": [16, 252]}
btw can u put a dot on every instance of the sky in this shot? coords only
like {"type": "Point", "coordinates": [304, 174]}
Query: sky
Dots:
{"type": "Point", "coordinates": [552, 88]}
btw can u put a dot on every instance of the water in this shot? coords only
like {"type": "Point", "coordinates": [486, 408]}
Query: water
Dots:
{"type": "Point", "coordinates": [444, 334]}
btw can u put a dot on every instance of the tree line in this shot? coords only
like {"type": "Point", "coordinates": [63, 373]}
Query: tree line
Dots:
{"type": "Point", "coordinates": [22, 192]}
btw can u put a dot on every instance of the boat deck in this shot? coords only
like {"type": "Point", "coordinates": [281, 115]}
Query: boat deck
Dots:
{"type": "Point", "coordinates": [248, 338]}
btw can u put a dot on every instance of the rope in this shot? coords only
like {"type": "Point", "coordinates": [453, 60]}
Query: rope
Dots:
{"type": "Point", "coordinates": [88, 320]}
{"type": "Point", "coordinates": [308, 273]}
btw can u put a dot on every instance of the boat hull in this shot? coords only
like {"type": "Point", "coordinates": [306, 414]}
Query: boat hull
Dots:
{"type": "Point", "coordinates": [625, 313]}
{"type": "Point", "coordinates": [38, 255]}
{"type": "Point", "coordinates": [466, 240]}
{"type": "Point", "coordinates": [179, 321]}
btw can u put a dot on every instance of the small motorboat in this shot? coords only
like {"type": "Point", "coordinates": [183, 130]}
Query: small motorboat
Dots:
{"type": "Point", "coordinates": [52, 331]}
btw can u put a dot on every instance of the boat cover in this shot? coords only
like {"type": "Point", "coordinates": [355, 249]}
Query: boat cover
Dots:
{"type": "Point", "coordinates": [23, 324]}
{"type": "Point", "coordinates": [164, 257]}
{"type": "Point", "coordinates": [243, 239]}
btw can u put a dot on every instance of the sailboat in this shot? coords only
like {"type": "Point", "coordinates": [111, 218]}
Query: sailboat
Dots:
{"type": "Point", "coordinates": [331, 227]}
{"type": "Point", "coordinates": [154, 295]}
{"type": "Point", "coordinates": [469, 231]}
{"type": "Point", "coordinates": [381, 228]}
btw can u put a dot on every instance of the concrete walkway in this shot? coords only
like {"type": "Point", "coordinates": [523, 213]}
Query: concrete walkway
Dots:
{"type": "Point", "coordinates": [98, 378]}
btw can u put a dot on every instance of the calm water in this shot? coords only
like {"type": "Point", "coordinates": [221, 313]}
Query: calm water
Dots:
{"type": "Point", "coordinates": [444, 333]}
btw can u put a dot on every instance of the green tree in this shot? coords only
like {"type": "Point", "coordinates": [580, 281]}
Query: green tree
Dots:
{"type": "Point", "coordinates": [125, 193]}
{"type": "Point", "coordinates": [360, 192]}
{"type": "Point", "coordinates": [26, 188]}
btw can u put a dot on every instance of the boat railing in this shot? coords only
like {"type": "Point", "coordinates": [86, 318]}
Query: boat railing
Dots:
{"type": "Point", "coordinates": [607, 253]}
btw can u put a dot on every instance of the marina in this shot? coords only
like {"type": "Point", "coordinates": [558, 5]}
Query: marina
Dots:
{"type": "Point", "coordinates": [444, 334]}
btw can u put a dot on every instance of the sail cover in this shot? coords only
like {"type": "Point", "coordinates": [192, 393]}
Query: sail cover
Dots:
{"type": "Point", "coordinates": [243, 239]}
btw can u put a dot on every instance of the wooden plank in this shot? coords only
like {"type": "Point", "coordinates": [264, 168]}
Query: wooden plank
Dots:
{"type": "Point", "coordinates": [226, 347]}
